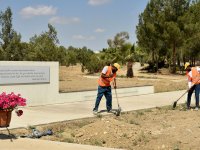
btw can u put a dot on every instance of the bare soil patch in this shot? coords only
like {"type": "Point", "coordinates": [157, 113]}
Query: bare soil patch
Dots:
{"type": "Point", "coordinates": [156, 128]}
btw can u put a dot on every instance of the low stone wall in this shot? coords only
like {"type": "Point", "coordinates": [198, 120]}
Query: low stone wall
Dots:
{"type": "Point", "coordinates": [91, 95]}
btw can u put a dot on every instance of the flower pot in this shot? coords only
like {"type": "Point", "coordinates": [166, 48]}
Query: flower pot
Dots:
{"type": "Point", "coordinates": [5, 117]}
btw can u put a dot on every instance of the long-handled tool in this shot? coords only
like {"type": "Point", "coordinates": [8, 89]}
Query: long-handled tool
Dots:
{"type": "Point", "coordinates": [118, 112]}
{"type": "Point", "coordinates": [175, 102]}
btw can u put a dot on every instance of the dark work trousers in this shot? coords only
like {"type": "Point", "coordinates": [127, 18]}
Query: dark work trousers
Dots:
{"type": "Point", "coordinates": [189, 95]}
{"type": "Point", "coordinates": [197, 91]}
{"type": "Point", "coordinates": [106, 91]}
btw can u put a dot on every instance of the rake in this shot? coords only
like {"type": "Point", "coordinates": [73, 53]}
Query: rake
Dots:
{"type": "Point", "coordinates": [118, 111]}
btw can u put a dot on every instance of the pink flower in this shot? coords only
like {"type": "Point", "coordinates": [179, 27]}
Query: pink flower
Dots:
{"type": "Point", "coordinates": [12, 101]}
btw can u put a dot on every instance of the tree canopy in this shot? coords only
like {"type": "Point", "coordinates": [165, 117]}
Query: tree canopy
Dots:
{"type": "Point", "coordinates": [169, 31]}
{"type": "Point", "coordinates": [168, 34]}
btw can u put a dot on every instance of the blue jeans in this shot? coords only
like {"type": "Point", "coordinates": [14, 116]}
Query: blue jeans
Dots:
{"type": "Point", "coordinates": [197, 90]}
{"type": "Point", "coordinates": [106, 91]}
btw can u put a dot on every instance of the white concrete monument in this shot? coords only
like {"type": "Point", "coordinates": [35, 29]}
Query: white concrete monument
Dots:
{"type": "Point", "coordinates": [38, 82]}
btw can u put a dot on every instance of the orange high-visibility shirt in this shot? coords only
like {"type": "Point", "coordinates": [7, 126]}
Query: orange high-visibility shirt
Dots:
{"type": "Point", "coordinates": [195, 75]}
{"type": "Point", "coordinates": [106, 81]}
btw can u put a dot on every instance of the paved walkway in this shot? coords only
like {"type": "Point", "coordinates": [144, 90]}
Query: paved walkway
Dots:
{"type": "Point", "coordinates": [36, 144]}
{"type": "Point", "coordinates": [69, 111]}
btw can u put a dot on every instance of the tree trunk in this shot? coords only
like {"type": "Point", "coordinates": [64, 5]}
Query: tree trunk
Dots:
{"type": "Point", "coordinates": [174, 58]}
{"type": "Point", "coordinates": [179, 62]}
{"type": "Point", "coordinates": [184, 60]}
{"type": "Point", "coordinates": [157, 65]}
{"type": "Point", "coordinates": [153, 57]}
{"type": "Point", "coordinates": [129, 73]}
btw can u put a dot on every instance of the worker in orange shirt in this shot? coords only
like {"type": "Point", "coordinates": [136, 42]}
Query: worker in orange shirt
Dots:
{"type": "Point", "coordinates": [108, 75]}
{"type": "Point", "coordinates": [194, 84]}
{"type": "Point", "coordinates": [191, 89]}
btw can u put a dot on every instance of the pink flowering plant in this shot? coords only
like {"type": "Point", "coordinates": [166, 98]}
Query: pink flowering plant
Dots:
{"type": "Point", "coordinates": [10, 102]}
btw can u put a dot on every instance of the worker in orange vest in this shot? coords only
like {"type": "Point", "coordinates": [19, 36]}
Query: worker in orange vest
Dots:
{"type": "Point", "coordinates": [191, 88]}
{"type": "Point", "coordinates": [108, 75]}
{"type": "Point", "coordinates": [194, 81]}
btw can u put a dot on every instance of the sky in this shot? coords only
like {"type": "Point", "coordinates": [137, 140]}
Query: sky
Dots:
{"type": "Point", "coordinates": [78, 23]}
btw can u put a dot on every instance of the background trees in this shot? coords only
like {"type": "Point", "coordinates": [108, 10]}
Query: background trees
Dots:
{"type": "Point", "coordinates": [169, 31]}
{"type": "Point", "coordinates": [120, 51]}
{"type": "Point", "coordinates": [43, 47]}
{"type": "Point", "coordinates": [161, 32]}
{"type": "Point", "coordinates": [191, 21]}
{"type": "Point", "coordinates": [10, 40]}
{"type": "Point", "coordinates": [149, 33]}
{"type": "Point", "coordinates": [168, 34]}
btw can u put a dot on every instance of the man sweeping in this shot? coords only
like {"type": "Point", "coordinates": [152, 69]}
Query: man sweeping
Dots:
{"type": "Point", "coordinates": [194, 82]}
{"type": "Point", "coordinates": [108, 75]}
{"type": "Point", "coordinates": [191, 88]}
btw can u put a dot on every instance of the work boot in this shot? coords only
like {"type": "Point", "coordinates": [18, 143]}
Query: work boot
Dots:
{"type": "Point", "coordinates": [109, 110]}
{"type": "Point", "coordinates": [188, 108]}
{"type": "Point", "coordinates": [95, 112]}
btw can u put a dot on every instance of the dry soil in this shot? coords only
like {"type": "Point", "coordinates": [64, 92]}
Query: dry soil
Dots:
{"type": "Point", "coordinates": [149, 129]}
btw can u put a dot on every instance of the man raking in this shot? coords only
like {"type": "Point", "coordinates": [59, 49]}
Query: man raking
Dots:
{"type": "Point", "coordinates": [108, 75]}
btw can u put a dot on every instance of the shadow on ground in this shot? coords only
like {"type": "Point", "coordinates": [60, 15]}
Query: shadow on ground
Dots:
{"type": "Point", "coordinates": [7, 136]}
{"type": "Point", "coordinates": [113, 111]}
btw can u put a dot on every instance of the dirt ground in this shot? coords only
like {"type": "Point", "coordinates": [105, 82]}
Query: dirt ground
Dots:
{"type": "Point", "coordinates": [72, 79]}
{"type": "Point", "coordinates": [149, 129]}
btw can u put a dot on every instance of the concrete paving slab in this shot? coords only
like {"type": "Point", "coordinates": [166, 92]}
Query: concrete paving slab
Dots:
{"type": "Point", "coordinates": [70, 111]}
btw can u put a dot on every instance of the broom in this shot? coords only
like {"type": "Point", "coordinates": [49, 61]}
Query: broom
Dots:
{"type": "Point", "coordinates": [175, 102]}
